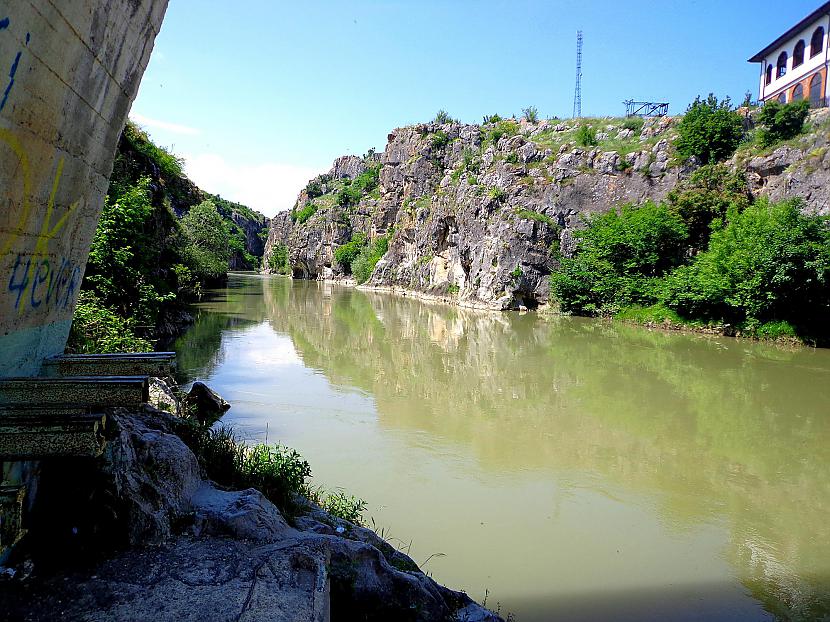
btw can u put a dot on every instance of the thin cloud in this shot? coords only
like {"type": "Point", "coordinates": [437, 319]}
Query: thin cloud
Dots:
{"type": "Point", "coordinates": [269, 187]}
{"type": "Point", "coordinates": [174, 128]}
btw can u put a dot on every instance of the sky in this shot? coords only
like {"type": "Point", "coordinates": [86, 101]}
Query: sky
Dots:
{"type": "Point", "coordinates": [258, 96]}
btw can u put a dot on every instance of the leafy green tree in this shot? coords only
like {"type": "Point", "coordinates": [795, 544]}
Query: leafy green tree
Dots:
{"type": "Point", "coordinates": [442, 117]}
{"type": "Point", "coordinates": [710, 130]}
{"type": "Point", "coordinates": [531, 114]}
{"type": "Point", "coordinates": [207, 251]}
{"type": "Point", "coordinates": [770, 262]}
{"type": "Point", "coordinates": [279, 262]}
{"type": "Point", "coordinates": [123, 257]}
{"type": "Point", "coordinates": [782, 121]}
{"type": "Point", "coordinates": [364, 264]}
{"type": "Point", "coordinates": [619, 259]}
{"type": "Point", "coordinates": [703, 199]}
{"type": "Point", "coordinates": [345, 254]}
{"type": "Point", "coordinates": [97, 329]}
{"type": "Point", "coordinates": [585, 136]}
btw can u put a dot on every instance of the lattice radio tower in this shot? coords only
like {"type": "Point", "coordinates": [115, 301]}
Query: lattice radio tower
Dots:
{"type": "Point", "coordinates": [578, 90]}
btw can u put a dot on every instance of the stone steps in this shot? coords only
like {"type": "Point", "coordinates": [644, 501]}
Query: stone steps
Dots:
{"type": "Point", "coordinates": [155, 364]}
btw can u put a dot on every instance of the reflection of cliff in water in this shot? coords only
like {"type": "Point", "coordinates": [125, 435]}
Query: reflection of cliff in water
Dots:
{"type": "Point", "coordinates": [724, 430]}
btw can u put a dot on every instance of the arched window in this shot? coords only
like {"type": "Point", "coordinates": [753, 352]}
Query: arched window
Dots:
{"type": "Point", "coordinates": [798, 93]}
{"type": "Point", "coordinates": [783, 97]}
{"type": "Point", "coordinates": [781, 65]}
{"type": "Point", "coordinates": [769, 73]}
{"type": "Point", "coordinates": [817, 42]}
{"type": "Point", "coordinates": [815, 91]}
{"type": "Point", "coordinates": [798, 54]}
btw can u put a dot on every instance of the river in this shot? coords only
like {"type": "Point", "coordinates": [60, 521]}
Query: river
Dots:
{"type": "Point", "coordinates": [566, 468]}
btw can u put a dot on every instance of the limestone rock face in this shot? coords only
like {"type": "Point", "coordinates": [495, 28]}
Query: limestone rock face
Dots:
{"type": "Point", "coordinates": [479, 218]}
{"type": "Point", "coordinates": [471, 217]}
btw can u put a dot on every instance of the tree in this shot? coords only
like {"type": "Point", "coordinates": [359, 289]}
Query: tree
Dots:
{"type": "Point", "coordinates": [710, 130]}
{"type": "Point", "coordinates": [782, 121]}
{"type": "Point", "coordinates": [207, 251]}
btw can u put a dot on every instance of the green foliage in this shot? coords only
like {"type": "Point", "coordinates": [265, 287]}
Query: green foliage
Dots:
{"type": "Point", "coordinates": [169, 164]}
{"type": "Point", "coordinates": [710, 130]}
{"type": "Point", "coordinates": [278, 472]}
{"type": "Point", "coordinates": [442, 117]}
{"type": "Point", "coordinates": [347, 507]}
{"type": "Point", "coordinates": [782, 121]}
{"type": "Point", "coordinates": [508, 128]}
{"type": "Point", "coordinates": [345, 254]}
{"type": "Point", "coordinates": [703, 199]}
{"type": "Point", "coordinates": [470, 161]}
{"type": "Point", "coordinates": [530, 114]}
{"type": "Point", "coordinates": [512, 158]}
{"type": "Point", "coordinates": [635, 124]}
{"type": "Point", "coordinates": [528, 214]}
{"type": "Point", "coordinates": [439, 140]}
{"type": "Point", "coordinates": [619, 258]}
{"type": "Point", "coordinates": [123, 258]}
{"type": "Point", "coordinates": [517, 272]}
{"type": "Point", "coordinates": [769, 263]}
{"type": "Point", "coordinates": [491, 118]}
{"type": "Point", "coordinates": [354, 190]}
{"type": "Point", "coordinates": [586, 136]}
{"type": "Point", "coordinates": [208, 241]}
{"type": "Point", "coordinates": [453, 289]}
{"type": "Point", "coordinates": [302, 215]}
{"type": "Point", "coordinates": [97, 329]}
{"type": "Point", "coordinates": [364, 264]}
{"type": "Point", "coordinates": [496, 193]}
{"type": "Point", "coordinates": [279, 262]}
{"type": "Point", "coordinates": [314, 189]}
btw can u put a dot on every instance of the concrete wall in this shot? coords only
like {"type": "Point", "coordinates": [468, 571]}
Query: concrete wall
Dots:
{"type": "Point", "coordinates": [69, 72]}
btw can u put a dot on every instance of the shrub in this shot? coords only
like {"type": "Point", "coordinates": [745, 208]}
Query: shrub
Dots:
{"type": "Point", "coordinates": [635, 124]}
{"type": "Point", "coordinates": [301, 216]}
{"type": "Point", "coordinates": [619, 259]}
{"type": "Point", "coordinates": [442, 117]}
{"type": "Point", "coordinates": [364, 264]}
{"type": "Point", "coordinates": [169, 165]}
{"type": "Point", "coordinates": [512, 158]}
{"type": "Point", "coordinates": [703, 199]}
{"type": "Point", "coordinates": [470, 162]}
{"type": "Point", "coordinates": [528, 214]}
{"type": "Point", "coordinates": [279, 262]}
{"type": "Point", "coordinates": [496, 193]}
{"type": "Point", "coordinates": [97, 329]}
{"type": "Point", "coordinates": [345, 254]}
{"type": "Point", "coordinates": [530, 114]}
{"type": "Point", "coordinates": [710, 130]}
{"type": "Point", "coordinates": [439, 140]}
{"type": "Point", "coordinates": [507, 127]}
{"type": "Point", "coordinates": [492, 118]}
{"type": "Point", "coordinates": [586, 136]}
{"type": "Point", "coordinates": [782, 121]}
{"type": "Point", "coordinates": [770, 262]}
{"type": "Point", "coordinates": [314, 189]}
{"type": "Point", "coordinates": [208, 250]}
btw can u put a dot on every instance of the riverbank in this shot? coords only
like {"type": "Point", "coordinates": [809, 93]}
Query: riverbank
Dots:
{"type": "Point", "coordinates": [144, 534]}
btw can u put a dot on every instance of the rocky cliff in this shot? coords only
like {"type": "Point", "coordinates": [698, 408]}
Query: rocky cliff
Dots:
{"type": "Point", "coordinates": [478, 214]}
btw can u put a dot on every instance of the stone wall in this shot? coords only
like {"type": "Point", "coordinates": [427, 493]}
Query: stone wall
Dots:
{"type": "Point", "coordinates": [68, 75]}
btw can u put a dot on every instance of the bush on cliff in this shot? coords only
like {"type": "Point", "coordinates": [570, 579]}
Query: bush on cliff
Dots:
{"type": "Point", "coordinates": [279, 262]}
{"type": "Point", "coordinates": [97, 329]}
{"type": "Point", "coordinates": [345, 254]}
{"type": "Point", "coordinates": [620, 257]}
{"type": "Point", "coordinates": [782, 121]}
{"type": "Point", "coordinates": [364, 264]}
{"type": "Point", "coordinates": [710, 130]}
{"type": "Point", "coordinates": [769, 263]}
{"type": "Point", "coordinates": [703, 199]}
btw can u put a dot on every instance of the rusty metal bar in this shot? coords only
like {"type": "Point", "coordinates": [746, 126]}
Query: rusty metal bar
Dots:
{"type": "Point", "coordinates": [156, 364]}
{"type": "Point", "coordinates": [89, 391]}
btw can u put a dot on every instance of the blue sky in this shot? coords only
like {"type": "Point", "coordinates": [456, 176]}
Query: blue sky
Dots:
{"type": "Point", "coordinates": [258, 95]}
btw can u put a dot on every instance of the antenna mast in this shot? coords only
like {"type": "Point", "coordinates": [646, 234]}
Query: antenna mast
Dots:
{"type": "Point", "coordinates": [578, 90]}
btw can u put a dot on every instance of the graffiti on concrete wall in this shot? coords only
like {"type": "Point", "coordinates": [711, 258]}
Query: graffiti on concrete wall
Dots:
{"type": "Point", "coordinates": [39, 279]}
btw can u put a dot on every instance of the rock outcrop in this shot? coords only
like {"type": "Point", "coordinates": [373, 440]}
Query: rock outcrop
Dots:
{"type": "Point", "coordinates": [215, 554]}
{"type": "Point", "coordinates": [478, 214]}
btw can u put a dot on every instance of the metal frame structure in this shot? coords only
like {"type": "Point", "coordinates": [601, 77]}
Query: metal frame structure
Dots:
{"type": "Point", "coordinates": [646, 109]}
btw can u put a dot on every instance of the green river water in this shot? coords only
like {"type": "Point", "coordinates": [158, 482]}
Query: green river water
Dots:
{"type": "Point", "coordinates": [569, 469]}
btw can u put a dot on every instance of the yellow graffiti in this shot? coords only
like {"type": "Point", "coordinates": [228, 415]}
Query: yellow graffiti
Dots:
{"type": "Point", "coordinates": [48, 230]}
{"type": "Point", "coordinates": [7, 137]}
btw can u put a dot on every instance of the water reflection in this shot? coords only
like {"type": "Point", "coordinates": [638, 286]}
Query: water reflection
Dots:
{"type": "Point", "coordinates": [613, 469]}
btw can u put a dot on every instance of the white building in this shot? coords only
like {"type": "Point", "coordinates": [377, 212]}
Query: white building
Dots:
{"type": "Point", "coordinates": [794, 66]}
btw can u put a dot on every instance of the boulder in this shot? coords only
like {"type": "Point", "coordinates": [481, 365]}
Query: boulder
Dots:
{"type": "Point", "coordinates": [208, 405]}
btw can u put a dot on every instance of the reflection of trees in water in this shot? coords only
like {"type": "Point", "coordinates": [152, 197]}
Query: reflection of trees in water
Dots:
{"type": "Point", "coordinates": [199, 350]}
{"type": "Point", "coordinates": [722, 428]}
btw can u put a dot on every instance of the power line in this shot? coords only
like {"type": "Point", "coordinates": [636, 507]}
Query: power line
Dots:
{"type": "Point", "coordinates": [578, 90]}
